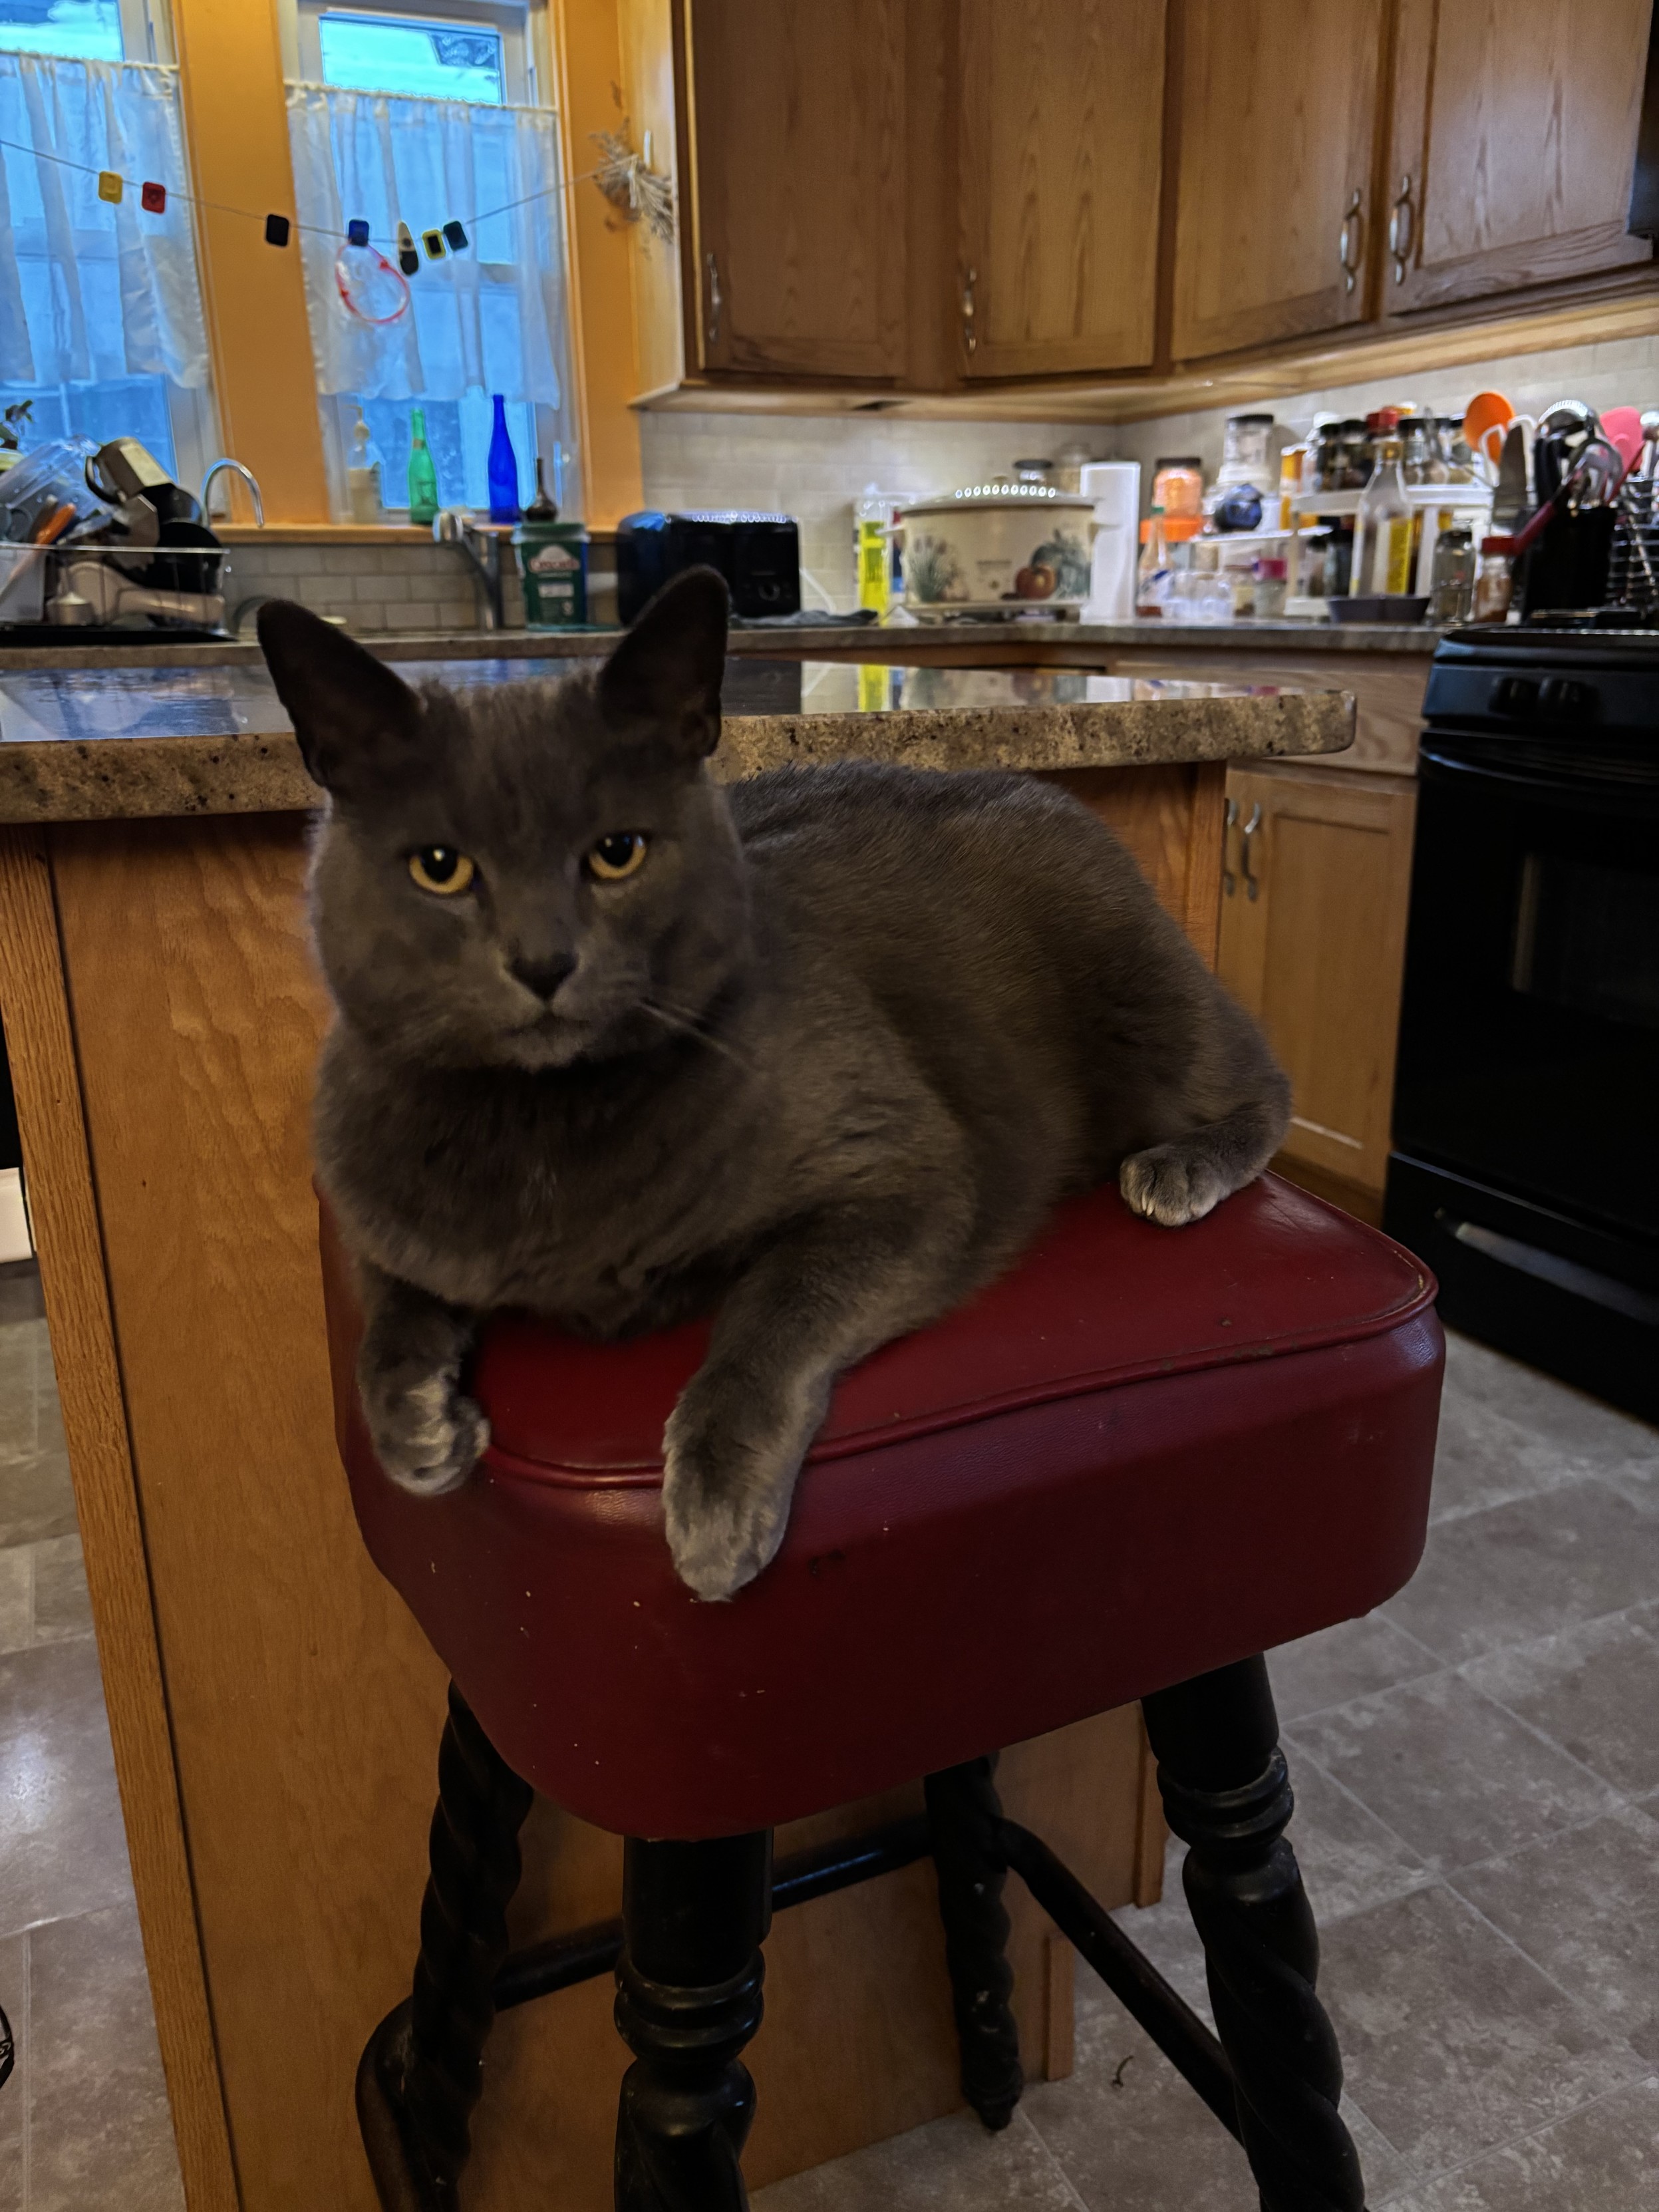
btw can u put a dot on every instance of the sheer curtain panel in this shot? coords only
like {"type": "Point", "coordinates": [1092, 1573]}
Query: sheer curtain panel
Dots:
{"type": "Point", "coordinates": [92, 291]}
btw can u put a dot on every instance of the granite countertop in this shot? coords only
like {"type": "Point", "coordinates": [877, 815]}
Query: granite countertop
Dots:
{"type": "Point", "coordinates": [113, 742]}
{"type": "Point", "coordinates": [884, 641]}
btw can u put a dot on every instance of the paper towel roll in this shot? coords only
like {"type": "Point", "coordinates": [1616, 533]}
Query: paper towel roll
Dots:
{"type": "Point", "coordinates": [1115, 488]}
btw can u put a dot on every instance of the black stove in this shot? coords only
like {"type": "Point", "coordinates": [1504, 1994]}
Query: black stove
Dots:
{"type": "Point", "coordinates": [1525, 1167]}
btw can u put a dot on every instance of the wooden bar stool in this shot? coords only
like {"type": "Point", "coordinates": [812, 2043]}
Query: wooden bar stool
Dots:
{"type": "Point", "coordinates": [1126, 1470]}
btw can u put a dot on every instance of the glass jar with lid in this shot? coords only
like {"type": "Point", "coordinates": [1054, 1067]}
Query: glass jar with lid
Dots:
{"type": "Point", "coordinates": [1356, 450]}
{"type": "Point", "coordinates": [1245, 450]}
{"type": "Point", "coordinates": [1451, 579]}
{"type": "Point", "coordinates": [1416, 452]}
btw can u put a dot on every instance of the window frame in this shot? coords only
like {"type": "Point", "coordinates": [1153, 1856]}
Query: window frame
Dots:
{"type": "Point", "coordinates": [146, 33]}
{"type": "Point", "coordinates": [521, 24]}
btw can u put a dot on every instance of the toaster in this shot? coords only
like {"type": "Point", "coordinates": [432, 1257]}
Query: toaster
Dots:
{"type": "Point", "coordinates": [758, 555]}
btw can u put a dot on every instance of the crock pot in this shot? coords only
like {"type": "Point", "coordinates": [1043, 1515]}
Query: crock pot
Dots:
{"type": "Point", "coordinates": [996, 548]}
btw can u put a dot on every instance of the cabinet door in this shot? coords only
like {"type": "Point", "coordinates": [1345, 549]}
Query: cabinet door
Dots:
{"type": "Point", "coordinates": [800, 127]}
{"type": "Point", "coordinates": [1313, 940]}
{"type": "Point", "coordinates": [1278, 112]}
{"type": "Point", "coordinates": [1514, 142]}
{"type": "Point", "coordinates": [1059, 164]}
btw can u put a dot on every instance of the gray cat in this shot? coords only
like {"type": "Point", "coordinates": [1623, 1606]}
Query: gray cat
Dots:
{"type": "Point", "coordinates": [618, 1045]}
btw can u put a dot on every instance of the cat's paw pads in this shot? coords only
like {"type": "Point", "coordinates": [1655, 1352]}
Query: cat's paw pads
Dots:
{"type": "Point", "coordinates": [1168, 1186]}
{"type": "Point", "coordinates": [428, 1437]}
{"type": "Point", "coordinates": [724, 1521]}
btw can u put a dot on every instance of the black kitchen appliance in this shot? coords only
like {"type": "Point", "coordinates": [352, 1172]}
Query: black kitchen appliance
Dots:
{"type": "Point", "coordinates": [758, 555]}
{"type": "Point", "coordinates": [1525, 1167]}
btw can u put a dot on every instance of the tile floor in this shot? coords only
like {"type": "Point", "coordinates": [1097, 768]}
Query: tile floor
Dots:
{"type": "Point", "coordinates": [1477, 1774]}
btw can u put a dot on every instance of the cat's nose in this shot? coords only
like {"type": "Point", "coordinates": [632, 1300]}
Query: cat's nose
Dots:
{"type": "Point", "coordinates": [544, 977]}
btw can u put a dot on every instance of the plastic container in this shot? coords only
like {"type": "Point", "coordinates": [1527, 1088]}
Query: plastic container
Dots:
{"type": "Point", "coordinates": [1244, 451]}
{"type": "Point", "coordinates": [1178, 487]}
{"type": "Point", "coordinates": [362, 475]}
{"type": "Point", "coordinates": [553, 562]}
{"type": "Point", "coordinates": [503, 468]}
{"type": "Point", "coordinates": [1273, 580]}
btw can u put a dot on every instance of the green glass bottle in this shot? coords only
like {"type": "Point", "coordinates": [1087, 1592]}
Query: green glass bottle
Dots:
{"type": "Point", "coordinates": [422, 477]}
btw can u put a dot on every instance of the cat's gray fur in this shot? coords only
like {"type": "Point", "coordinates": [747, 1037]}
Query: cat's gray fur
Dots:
{"type": "Point", "coordinates": [826, 1062]}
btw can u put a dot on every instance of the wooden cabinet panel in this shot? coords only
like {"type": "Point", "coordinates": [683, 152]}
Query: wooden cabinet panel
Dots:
{"type": "Point", "coordinates": [1316, 953]}
{"type": "Point", "coordinates": [1059, 158]}
{"type": "Point", "coordinates": [1277, 106]}
{"type": "Point", "coordinates": [1513, 143]}
{"type": "Point", "coordinates": [800, 187]}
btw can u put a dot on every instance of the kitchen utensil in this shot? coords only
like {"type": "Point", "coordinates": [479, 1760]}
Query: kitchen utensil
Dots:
{"type": "Point", "coordinates": [1510, 500]}
{"type": "Point", "coordinates": [1622, 427]}
{"type": "Point", "coordinates": [1487, 410]}
{"type": "Point", "coordinates": [1648, 466]}
{"type": "Point", "coordinates": [51, 527]}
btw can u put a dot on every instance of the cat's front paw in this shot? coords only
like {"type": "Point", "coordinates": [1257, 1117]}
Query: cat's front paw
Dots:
{"type": "Point", "coordinates": [427, 1436]}
{"type": "Point", "coordinates": [725, 1501]}
{"type": "Point", "coordinates": [1170, 1185]}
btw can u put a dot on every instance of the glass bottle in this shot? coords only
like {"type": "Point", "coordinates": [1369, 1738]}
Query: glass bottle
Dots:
{"type": "Point", "coordinates": [1494, 582]}
{"type": "Point", "coordinates": [422, 477]}
{"type": "Point", "coordinates": [1451, 582]}
{"type": "Point", "coordinates": [503, 467]}
{"type": "Point", "coordinates": [1382, 550]}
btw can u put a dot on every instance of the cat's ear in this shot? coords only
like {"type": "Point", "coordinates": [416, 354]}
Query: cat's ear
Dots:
{"type": "Point", "coordinates": [355, 720]}
{"type": "Point", "coordinates": [668, 670]}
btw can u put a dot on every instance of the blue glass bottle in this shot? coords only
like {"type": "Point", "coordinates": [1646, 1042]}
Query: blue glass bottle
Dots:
{"type": "Point", "coordinates": [503, 469]}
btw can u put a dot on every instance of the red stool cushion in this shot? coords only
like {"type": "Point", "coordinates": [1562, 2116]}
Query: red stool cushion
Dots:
{"type": "Point", "coordinates": [1140, 1455]}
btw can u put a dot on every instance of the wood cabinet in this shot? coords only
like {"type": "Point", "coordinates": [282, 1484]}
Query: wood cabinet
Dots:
{"type": "Point", "coordinates": [1316, 888]}
{"type": "Point", "coordinates": [799, 131]}
{"type": "Point", "coordinates": [1276, 106]}
{"type": "Point", "coordinates": [1060, 133]}
{"type": "Point", "coordinates": [1513, 143]}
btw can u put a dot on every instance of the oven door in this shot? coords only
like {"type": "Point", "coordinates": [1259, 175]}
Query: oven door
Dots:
{"type": "Point", "coordinates": [1529, 1038]}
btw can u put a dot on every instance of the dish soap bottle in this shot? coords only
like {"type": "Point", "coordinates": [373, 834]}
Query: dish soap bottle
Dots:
{"type": "Point", "coordinates": [362, 475]}
{"type": "Point", "coordinates": [503, 468]}
{"type": "Point", "coordinates": [422, 477]}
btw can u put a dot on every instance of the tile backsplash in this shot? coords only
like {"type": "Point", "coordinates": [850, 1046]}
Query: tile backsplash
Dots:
{"type": "Point", "coordinates": [376, 587]}
{"type": "Point", "coordinates": [815, 466]}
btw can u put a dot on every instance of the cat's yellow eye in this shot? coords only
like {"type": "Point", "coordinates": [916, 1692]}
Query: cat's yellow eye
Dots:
{"type": "Point", "coordinates": [616, 856]}
{"type": "Point", "coordinates": [441, 869]}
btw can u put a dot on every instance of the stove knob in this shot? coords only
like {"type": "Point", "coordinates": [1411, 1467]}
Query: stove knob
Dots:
{"type": "Point", "coordinates": [1513, 695]}
{"type": "Point", "coordinates": [1562, 695]}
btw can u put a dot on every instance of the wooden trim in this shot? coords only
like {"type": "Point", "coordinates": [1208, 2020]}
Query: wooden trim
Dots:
{"type": "Point", "coordinates": [46, 1078]}
{"type": "Point", "coordinates": [322, 533]}
{"type": "Point", "coordinates": [1201, 904]}
{"type": "Point", "coordinates": [1151, 1832]}
{"type": "Point", "coordinates": [236, 128]}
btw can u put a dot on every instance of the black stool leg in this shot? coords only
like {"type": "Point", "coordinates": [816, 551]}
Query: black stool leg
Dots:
{"type": "Point", "coordinates": [1226, 1794]}
{"type": "Point", "coordinates": [963, 1814]}
{"type": "Point", "coordinates": [476, 1867]}
{"type": "Point", "coordinates": [687, 1999]}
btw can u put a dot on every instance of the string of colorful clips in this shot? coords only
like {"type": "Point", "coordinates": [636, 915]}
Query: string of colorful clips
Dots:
{"type": "Point", "coordinates": [449, 237]}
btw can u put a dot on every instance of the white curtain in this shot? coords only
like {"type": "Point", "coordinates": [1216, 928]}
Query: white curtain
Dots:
{"type": "Point", "coordinates": [489, 319]}
{"type": "Point", "coordinates": [88, 291]}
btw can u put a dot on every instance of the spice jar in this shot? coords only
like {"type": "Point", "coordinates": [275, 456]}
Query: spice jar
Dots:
{"type": "Point", "coordinates": [1272, 582]}
{"type": "Point", "coordinates": [1416, 451]}
{"type": "Point", "coordinates": [1451, 581]}
{"type": "Point", "coordinates": [1494, 581]}
{"type": "Point", "coordinates": [1355, 447]}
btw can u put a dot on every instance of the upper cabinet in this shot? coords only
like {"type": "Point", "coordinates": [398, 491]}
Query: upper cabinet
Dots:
{"type": "Point", "coordinates": [1513, 145]}
{"type": "Point", "coordinates": [1060, 130]}
{"type": "Point", "coordinates": [798, 132]}
{"type": "Point", "coordinates": [1276, 104]}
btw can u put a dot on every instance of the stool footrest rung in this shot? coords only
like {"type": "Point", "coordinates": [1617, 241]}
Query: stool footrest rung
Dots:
{"type": "Point", "coordinates": [1133, 1980]}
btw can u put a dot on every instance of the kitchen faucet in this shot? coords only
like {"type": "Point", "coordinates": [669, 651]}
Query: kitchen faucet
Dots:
{"type": "Point", "coordinates": [451, 527]}
{"type": "Point", "coordinates": [236, 468]}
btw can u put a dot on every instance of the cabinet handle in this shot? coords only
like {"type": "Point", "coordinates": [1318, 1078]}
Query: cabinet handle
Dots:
{"type": "Point", "coordinates": [1351, 241]}
{"type": "Point", "coordinates": [1252, 882]}
{"type": "Point", "coordinates": [1228, 880]}
{"type": "Point", "coordinates": [716, 301]}
{"type": "Point", "coordinates": [970, 337]}
{"type": "Point", "coordinates": [1402, 229]}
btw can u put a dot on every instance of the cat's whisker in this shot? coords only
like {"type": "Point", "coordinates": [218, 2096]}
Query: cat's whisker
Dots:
{"type": "Point", "coordinates": [685, 1023]}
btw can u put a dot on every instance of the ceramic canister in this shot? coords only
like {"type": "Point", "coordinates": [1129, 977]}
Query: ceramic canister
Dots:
{"type": "Point", "coordinates": [997, 548]}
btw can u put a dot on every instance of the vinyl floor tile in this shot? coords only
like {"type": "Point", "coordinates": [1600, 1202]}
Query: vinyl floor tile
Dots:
{"type": "Point", "coordinates": [63, 1848]}
{"type": "Point", "coordinates": [1604, 2158]}
{"type": "Point", "coordinates": [16, 1598]}
{"type": "Point", "coordinates": [1453, 2044]}
{"type": "Point", "coordinates": [100, 2135]}
{"type": "Point", "coordinates": [1585, 1907]}
{"type": "Point", "coordinates": [1349, 1859]}
{"type": "Point", "coordinates": [1528, 1569]}
{"type": "Point", "coordinates": [1349, 1661]}
{"type": "Point", "coordinates": [63, 1607]}
{"type": "Point", "coordinates": [1594, 1690]}
{"type": "Point", "coordinates": [1453, 1775]}
{"type": "Point", "coordinates": [950, 2165]}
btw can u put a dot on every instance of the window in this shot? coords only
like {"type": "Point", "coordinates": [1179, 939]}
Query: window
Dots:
{"type": "Point", "coordinates": [101, 328]}
{"type": "Point", "coordinates": [426, 116]}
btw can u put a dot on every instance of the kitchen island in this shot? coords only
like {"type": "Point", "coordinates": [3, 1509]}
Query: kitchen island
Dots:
{"type": "Point", "coordinates": [274, 1710]}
